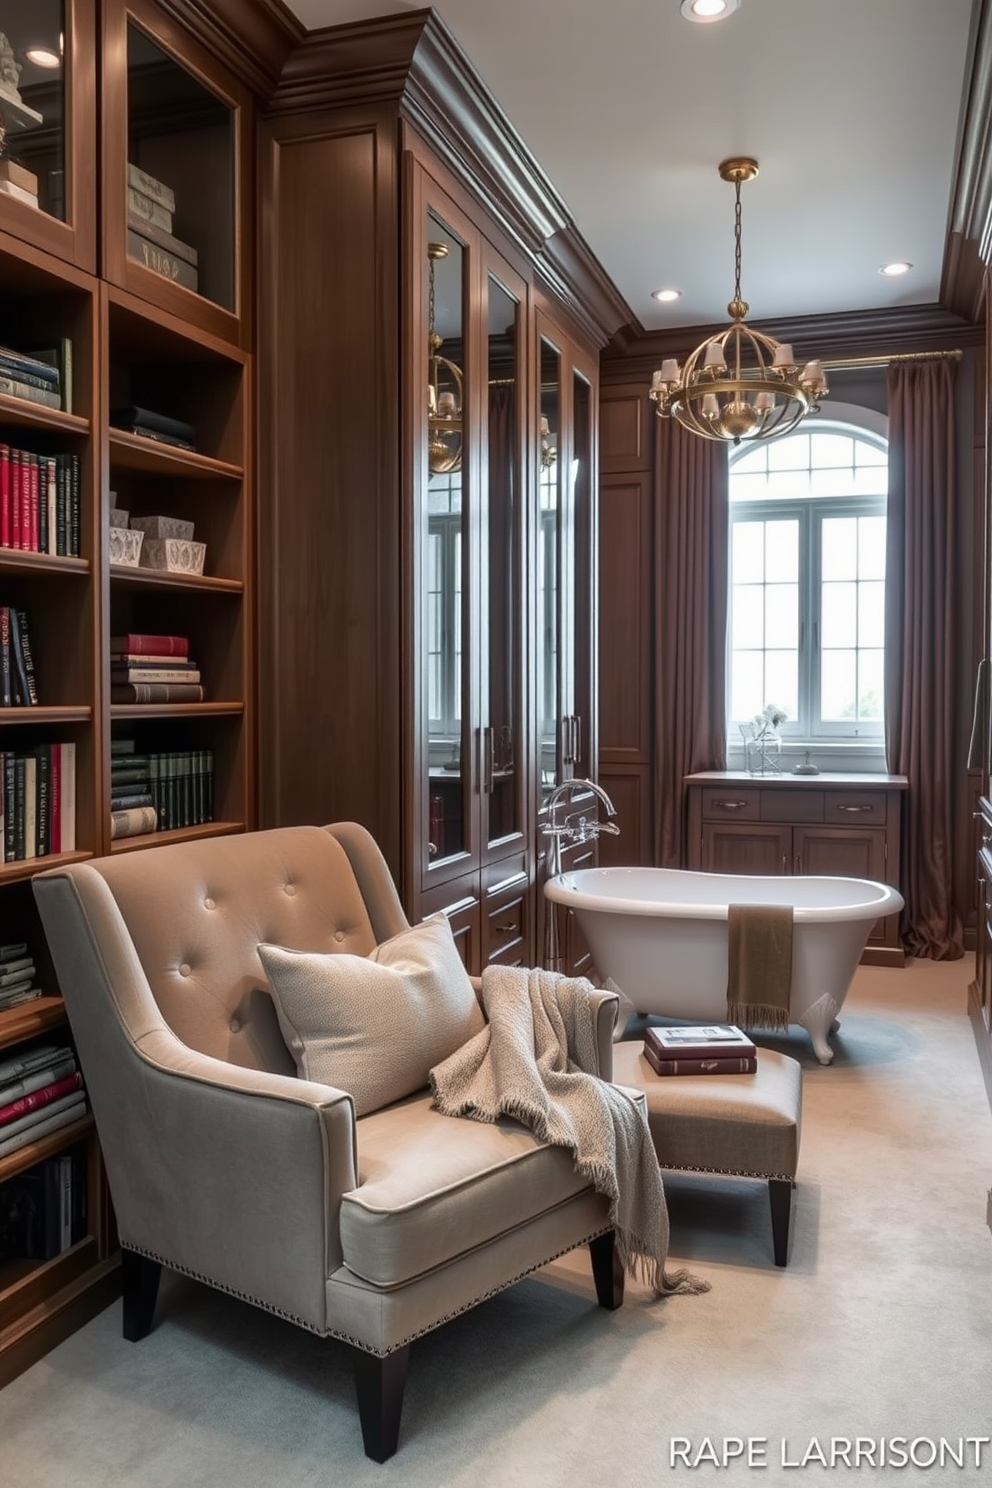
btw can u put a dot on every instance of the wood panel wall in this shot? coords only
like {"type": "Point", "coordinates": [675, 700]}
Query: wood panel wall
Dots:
{"type": "Point", "coordinates": [626, 645]}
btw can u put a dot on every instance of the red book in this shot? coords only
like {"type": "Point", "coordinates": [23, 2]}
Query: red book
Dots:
{"type": "Point", "coordinates": [15, 498]}
{"type": "Point", "coordinates": [34, 497]}
{"type": "Point", "coordinates": [42, 1097]}
{"type": "Point", "coordinates": [4, 496]}
{"type": "Point", "coordinates": [151, 645]}
{"type": "Point", "coordinates": [55, 799]}
{"type": "Point", "coordinates": [741, 1066]}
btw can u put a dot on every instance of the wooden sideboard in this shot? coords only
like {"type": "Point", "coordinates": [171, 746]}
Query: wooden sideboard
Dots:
{"type": "Point", "coordinates": [834, 824]}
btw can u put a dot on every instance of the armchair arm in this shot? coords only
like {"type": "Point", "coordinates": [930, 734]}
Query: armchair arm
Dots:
{"type": "Point", "coordinates": [231, 1174]}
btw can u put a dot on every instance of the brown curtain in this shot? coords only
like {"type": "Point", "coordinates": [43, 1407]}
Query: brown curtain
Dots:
{"type": "Point", "coordinates": [922, 644]}
{"type": "Point", "coordinates": [690, 568]}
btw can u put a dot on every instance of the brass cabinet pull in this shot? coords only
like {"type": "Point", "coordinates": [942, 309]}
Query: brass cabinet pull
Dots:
{"type": "Point", "coordinates": [505, 929]}
{"type": "Point", "coordinates": [730, 805]}
{"type": "Point", "coordinates": [855, 808]}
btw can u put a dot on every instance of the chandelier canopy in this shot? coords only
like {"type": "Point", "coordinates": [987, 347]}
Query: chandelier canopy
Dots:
{"type": "Point", "coordinates": [740, 384]}
{"type": "Point", "coordinates": [444, 390]}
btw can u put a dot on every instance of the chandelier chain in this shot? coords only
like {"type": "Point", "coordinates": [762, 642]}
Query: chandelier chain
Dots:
{"type": "Point", "coordinates": [737, 240]}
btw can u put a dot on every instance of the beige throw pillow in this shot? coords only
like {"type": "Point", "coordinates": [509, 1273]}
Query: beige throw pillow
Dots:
{"type": "Point", "coordinates": [375, 1025]}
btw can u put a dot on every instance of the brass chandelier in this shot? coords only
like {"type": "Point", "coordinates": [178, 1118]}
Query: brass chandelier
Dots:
{"type": "Point", "coordinates": [740, 384]}
{"type": "Point", "coordinates": [444, 391]}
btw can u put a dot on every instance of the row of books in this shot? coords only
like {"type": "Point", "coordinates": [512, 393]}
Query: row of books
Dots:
{"type": "Point", "coordinates": [697, 1049]}
{"type": "Point", "coordinates": [160, 790]}
{"type": "Point", "coordinates": [41, 1090]}
{"type": "Point", "coordinates": [17, 976]}
{"type": "Point", "coordinates": [147, 668]}
{"type": "Point", "coordinates": [35, 375]}
{"type": "Point", "coordinates": [39, 502]}
{"type": "Point", "coordinates": [18, 685]}
{"type": "Point", "coordinates": [43, 1211]}
{"type": "Point", "coordinates": [38, 802]}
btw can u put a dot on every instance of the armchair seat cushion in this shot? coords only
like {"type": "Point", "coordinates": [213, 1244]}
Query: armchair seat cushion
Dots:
{"type": "Point", "coordinates": [435, 1187]}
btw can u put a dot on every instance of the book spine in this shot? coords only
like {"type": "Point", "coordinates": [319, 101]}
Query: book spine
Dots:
{"type": "Point", "coordinates": [154, 674]}
{"type": "Point", "coordinates": [61, 526]}
{"type": "Point", "coordinates": [25, 501]}
{"type": "Point", "coordinates": [32, 374]}
{"type": "Point", "coordinates": [147, 209]}
{"type": "Point", "coordinates": [68, 815]}
{"type": "Point", "coordinates": [30, 680]}
{"type": "Point", "coordinates": [142, 644]}
{"type": "Point", "coordinates": [129, 799]}
{"type": "Point", "coordinates": [30, 806]}
{"type": "Point", "coordinates": [133, 822]}
{"type": "Point", "coordinates": [162, 239]}
{"type": "Point", "coordinates": [16, 509]}
{"type": "Point", "coordinates": [743, 1065]}
{"type": "Point", "coordinates": [44, 756]}
{"type": "Point", "coordinates": [60, 1069]}
{"type": "Point", "coordinates": [15, 387]}
{"type": "Point", "coordinates": [6, 665]}
{"type": "Point", "coordinates": [10, 807]}
{"type": "Point", "coordinates": [51, 504]}
{"type": "Point", "coordinates": [5, 538]}
{"type": "Point", "coordinates": [55, 800]}
{"type": "Point", "coordinates": [74, 507]}
{"type": "Point", "coordinates": [50, 1120]}
{"type": "Point", "coordinates": [156, 692]}
{"type": "Point", "coordinates": [39, 1098]}
{"type": "Point", "coordinates": [160, 262]}
{"type": "Point", "coordinates": [149, 186]}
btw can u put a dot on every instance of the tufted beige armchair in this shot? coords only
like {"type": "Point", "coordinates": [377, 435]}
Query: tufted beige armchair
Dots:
{"type": "Point", "coordinates": [225, 1166]}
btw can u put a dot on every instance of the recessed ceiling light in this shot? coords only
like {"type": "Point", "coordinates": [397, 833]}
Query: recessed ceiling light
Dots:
{"type": "Point", "coordinates": [665, 295]}
{"type": "Point", "coordinates": [893, 270]}
{"type": "Point", "coordinates": [705, 11]}
{"type": "Point", "coordinates": [42, 56]}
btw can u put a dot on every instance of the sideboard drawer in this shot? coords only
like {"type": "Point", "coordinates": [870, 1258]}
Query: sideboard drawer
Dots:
{"type": "Point", "coordinates": [731, 803]}
{"type": "Point", "coordinates": [856, 808]}
{"type": "Point", "coordinates": [792, 805]}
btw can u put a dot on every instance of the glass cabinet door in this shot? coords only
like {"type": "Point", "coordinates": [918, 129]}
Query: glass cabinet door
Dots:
{"type": "Point", "coordinates": [503, 609]}
{"type": "Point", "coordinates": [447, 554]}
{"type": "Point", "coordinates": [47, 154]}
{"type": "Point", "coordinates": [549, 572]}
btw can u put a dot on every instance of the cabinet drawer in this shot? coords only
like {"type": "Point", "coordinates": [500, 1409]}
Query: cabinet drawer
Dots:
{"type": "Point", "coordinates": [856, 808]}
{"type": "Point", "coordinates": [789, 805]}
{"type": "Point", "coordinates": [730, 803]}
{"type": "Point", "coordinates": [505, 931]}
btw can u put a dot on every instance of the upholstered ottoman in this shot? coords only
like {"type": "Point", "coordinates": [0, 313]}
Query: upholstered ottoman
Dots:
{"type": "Point", "coordinates": [744, 1125]}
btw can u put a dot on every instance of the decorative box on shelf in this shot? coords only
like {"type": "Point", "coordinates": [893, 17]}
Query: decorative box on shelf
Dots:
{"type": "Point", "coordinates": [125, 546]}
{"type": "Point", "coordinates": [119, 518]}
{"type": "Point", "coordinates": [174, 555]}
{"type": "Point", "coordinates": [164, 527]}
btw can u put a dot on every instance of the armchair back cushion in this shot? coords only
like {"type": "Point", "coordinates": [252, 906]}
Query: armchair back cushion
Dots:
{"type": "Point", "coordinates": [197, 913]}
{"type": "Point", "coordinates": [375, 1025]}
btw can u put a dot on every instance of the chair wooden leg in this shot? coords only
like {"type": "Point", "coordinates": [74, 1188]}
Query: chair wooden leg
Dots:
{"type": "Point", "coordinates": [140, 1278]}
{"type": "Point", "coordinates": [780, 1201]}
{"type": "Point", "coordinates": [607, 1271]}
{"type": "Point", "coordinates": [380, 1384]}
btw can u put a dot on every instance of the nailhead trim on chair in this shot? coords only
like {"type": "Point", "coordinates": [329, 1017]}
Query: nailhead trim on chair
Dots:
{"type": "Point", "coordinates": [291, 1317]}
{"type": "Point", "coordinates": [727, 1172]}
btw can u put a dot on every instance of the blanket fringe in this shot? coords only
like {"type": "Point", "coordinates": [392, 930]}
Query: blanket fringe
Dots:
{"type": "Point", "coordinates": [646, 1268]}
{"type": "Point", "coordinates": [757, 1015]}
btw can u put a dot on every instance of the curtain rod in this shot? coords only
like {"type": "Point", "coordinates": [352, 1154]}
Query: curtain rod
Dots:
{"type": "Point", "coordinates": [841, 364]}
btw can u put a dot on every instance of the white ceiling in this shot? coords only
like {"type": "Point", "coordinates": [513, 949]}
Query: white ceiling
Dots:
{"type": "Point", "coordinates": [850, 106]}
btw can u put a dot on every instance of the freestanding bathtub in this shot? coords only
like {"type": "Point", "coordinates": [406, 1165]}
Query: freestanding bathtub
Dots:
{"type": "Point", "coordinates": [661, 935]}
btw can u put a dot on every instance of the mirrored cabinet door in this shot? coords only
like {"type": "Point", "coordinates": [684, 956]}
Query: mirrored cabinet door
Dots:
{"type": "Point", "coordinates": [549, 570]}
{"type": "Point", "coordinates": [446, 548]}
{"type": "Point", "coordinates": [503, 611]}
{"type": "Point", "coordinates": [48, 125]}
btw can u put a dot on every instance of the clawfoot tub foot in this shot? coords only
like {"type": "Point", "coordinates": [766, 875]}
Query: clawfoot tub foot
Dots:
{"type": "Point", "coordinates": [817, 1021]}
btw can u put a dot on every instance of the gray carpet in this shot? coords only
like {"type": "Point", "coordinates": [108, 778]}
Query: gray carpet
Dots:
{"type": "Point", "coordinates": [880, 1327]}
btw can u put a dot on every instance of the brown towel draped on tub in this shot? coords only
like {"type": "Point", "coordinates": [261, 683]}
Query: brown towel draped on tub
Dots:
{"type": "Point", "coordinates": [759, 965]}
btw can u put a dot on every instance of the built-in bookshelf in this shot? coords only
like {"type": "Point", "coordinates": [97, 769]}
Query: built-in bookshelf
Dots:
{"type": "Point", "coordinates": [125, 393]}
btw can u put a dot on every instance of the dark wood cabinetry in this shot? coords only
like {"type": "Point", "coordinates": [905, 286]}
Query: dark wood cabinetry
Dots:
{"type": "Point", "coordinates": [426, 624]}
{"type": "Point", "coordinates": [844, 826]}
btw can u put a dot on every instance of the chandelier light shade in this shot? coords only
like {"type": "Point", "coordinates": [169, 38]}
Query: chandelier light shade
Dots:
{"type": "Point", "coordinates": [740, 384]}
{"type": "Point", "coordinates": [444, 390]}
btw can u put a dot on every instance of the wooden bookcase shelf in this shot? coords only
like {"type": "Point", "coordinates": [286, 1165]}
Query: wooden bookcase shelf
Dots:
{"type": "Point", "coordinates": [135, 339]}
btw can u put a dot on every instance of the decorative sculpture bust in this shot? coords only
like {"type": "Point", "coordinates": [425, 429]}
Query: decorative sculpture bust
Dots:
{"type": "Point", "coordinates": [10, 70]}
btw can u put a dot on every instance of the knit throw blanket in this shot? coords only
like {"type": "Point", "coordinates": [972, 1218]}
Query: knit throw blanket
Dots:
{"type": "Point", "coordinates": [531, 1062]}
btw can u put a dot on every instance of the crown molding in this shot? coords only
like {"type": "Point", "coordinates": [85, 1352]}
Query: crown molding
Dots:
{"type": "Point", "coordinates": [252, 38]}
{"type": "Point", "coordinates": [854, 333]}
{"type": "Point", "coordinates": [413, 63]}
{"type": "Point", "coordinates": [969, 230]}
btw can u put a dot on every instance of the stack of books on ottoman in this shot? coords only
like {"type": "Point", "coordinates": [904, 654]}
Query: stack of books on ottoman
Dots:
{"type": "Point", "coordinates": [700, 1049]}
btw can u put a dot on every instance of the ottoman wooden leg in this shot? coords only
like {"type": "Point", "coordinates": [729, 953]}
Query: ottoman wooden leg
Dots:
{"type": "Point", "coordinates": [780, 1201]}
{"type": "Point", "coordinates": [607, 1271]}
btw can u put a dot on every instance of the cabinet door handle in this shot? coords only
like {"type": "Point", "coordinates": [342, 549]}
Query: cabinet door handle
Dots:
{"type": "Point", "coordinates": [505, 929]}
{"type": "Point", "coordinates": [730, 805]}
{"type": "Point", "coordinates": [799, 863]}
{"type": "Point", "coordinates": [856, 808]}
{"type": "Point", "coordinates": [785, 863]}
{"type": "Point", "coordinates": [488, 761]}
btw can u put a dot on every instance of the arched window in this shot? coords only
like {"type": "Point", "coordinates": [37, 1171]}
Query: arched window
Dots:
{"type": "Point", "coordinates": [807, 582]}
